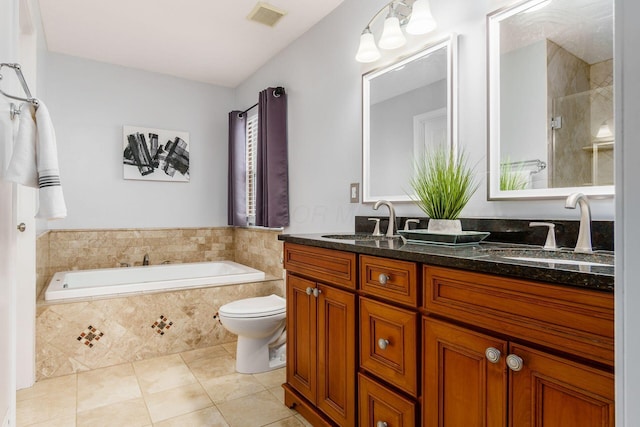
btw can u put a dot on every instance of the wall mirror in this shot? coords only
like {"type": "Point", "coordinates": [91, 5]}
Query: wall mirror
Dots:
{"type": "Point", "coordinates": [407, 107]}
{"type": "Point", "coordinates": [551, 115]}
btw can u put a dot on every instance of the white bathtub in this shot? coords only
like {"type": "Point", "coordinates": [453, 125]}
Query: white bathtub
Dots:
{"type": "Point", "coordinates": [116, 281]}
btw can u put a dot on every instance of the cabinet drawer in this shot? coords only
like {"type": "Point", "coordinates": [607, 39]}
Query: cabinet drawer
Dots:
{"type": "Point", "coordinates": [388, 344]}
{"type": "Point", "coordinates": [380, 406]}
{"type": "Point", "coordinates": [325, 265]}
{"type": "Point", "coordinates": [569, 320]}
{"type": "Point", "coordinates": [391, 279]}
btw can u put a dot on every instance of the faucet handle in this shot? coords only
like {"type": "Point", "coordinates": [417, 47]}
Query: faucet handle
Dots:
{"type": "Point", "coordinates": [550, 243]}
{"type": "Point", "coordinates": [376, 229]}
{"type": "Point", "coordinates": [410, 221]}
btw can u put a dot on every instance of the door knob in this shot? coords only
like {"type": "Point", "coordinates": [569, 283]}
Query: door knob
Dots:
{"type": "Point", "coordinates": [383, 343]}
{"type": "Point", "coordinates": [21, 227]}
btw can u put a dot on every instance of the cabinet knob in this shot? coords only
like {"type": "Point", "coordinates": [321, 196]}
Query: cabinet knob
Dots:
{"type": "Point", "coordinates": [383, 343]}
{"type": "Point", "coordinates": [21, 227]}
{"type": "Point", "coordinates": [383, 279]}
{"type": "Point", "coordinates": [381, 424]}
{"type": "Point", "coordinates": [492, 354]}
{"type": "Point", "coordinates": [515, 363]}
{"type": "Point", "coordinates": [309, 290]}
{"type": "Point", "coordinates": [316, 292]}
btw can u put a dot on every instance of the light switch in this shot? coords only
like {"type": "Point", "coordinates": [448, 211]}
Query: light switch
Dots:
{"type": "Point", "coordinates": [355, 192]}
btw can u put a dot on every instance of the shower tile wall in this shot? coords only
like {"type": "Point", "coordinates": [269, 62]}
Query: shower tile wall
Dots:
{"type": "Point", "coordinates": [568, 95]}
{"type": "Point", "coordinates": [602, 112]}
{"type": "Point", "coordinates": [130, 325]}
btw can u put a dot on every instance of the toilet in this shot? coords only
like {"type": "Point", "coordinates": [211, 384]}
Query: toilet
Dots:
{"type": "Point", "coordinates": [259, 324]}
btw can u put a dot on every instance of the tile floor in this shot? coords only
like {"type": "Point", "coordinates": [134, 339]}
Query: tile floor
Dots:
{"type": "Point", "coordinates": [190, 389]}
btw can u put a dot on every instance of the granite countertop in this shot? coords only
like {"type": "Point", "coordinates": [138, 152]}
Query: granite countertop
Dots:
{"type": "Point", "coordinates": [487, 257]}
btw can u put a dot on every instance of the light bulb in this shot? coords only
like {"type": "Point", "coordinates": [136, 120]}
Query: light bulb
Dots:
{"type": "Point", "coordinates": [367, 51]}
{"type": "Point", "coordinates": [421, 21]}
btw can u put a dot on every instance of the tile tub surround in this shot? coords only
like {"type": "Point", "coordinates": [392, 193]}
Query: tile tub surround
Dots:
{"type": "Point", "coordinates": [97, 333]}
{"type": "Point", "coordinates": [260, 249]}
{"type": "Point", "coordinates": [134, 327]}
{"type": "Point", "coordinates": [63, 250]}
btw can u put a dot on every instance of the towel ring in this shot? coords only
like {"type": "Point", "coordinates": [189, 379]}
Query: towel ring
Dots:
{"type": "Point", "coordinates": [13, 110]}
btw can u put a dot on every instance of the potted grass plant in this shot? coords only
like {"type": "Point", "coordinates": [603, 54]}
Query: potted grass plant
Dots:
{"type": "Point", "coordinates": [443, 183]}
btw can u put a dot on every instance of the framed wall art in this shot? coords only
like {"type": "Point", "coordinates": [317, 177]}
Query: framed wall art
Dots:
{"type": "Point", "coordinates": [155, 154]}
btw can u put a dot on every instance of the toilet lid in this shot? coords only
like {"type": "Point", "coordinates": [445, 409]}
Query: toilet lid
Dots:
{"type": "Point", "coordinates": [255, 307]}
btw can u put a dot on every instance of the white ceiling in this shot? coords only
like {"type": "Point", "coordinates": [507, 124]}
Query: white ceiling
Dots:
{"type": "Point", "coordinates": [210, 41]}
{"type": "Point", "coordinates": [583, 27]}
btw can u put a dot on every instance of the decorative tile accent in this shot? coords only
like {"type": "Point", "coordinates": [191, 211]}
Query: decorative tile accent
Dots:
{"type": "Point", "coordinates": [89, 336]}
{"type": "Point", "coordinates": [161, 325]}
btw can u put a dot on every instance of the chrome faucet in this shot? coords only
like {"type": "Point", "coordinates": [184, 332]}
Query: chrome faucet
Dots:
{"type": "Point", "coordinates": [145, 260]}
{"type": "Point", "coordinates": [583, 245]}
{"type": "Point", "coordinates": [391, 229]}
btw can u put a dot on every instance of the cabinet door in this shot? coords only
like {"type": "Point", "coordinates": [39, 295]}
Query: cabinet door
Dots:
{"type": "Point", "coordinates": [461, 386]}
{"type": "Point", "coordinates": [554, 392]}
{"type": "Point", "coordinates": [337, 354]}
{"type": "Point", "coordinates": [301, 337]}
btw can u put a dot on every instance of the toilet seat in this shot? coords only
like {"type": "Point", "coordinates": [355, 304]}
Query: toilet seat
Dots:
{"type": "Point", "coordinates": [254, 307]}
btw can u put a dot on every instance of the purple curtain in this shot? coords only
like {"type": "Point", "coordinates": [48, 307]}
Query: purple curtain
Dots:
{"type": "Point", "coordinates": [237, 190]}
{"type": "Point", "coordinates": [272, 183]}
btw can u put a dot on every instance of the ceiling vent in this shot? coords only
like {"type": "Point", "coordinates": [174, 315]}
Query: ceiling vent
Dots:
{"type": "Point", "coordinates": [266, 14]}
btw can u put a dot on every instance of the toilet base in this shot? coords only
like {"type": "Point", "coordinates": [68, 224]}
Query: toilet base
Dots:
{"type": "Point", "coordinates": [254, 356]}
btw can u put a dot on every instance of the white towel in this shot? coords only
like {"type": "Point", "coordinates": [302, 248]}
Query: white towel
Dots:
{"type": "Point", "coordinates": [7, 132]}
{"type": "Point", "coordinates": [35, 148]}
{"type": "Point", "coordinates": [22, 168]}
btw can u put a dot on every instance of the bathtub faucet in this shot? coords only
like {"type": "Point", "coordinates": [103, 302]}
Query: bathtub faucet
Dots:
{"type": "Point", "coordinates": [145, 260]}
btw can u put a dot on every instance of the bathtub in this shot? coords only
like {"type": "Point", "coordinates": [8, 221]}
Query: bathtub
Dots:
{"type": "Point", "coordinates": [117, 281]}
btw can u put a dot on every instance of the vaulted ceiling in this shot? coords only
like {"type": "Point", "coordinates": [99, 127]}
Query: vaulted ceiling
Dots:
{"type": "Point", "coordinates": [210, 41]}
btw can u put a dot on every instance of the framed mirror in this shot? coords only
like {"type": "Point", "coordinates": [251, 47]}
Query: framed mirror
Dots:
{"type": "Point", "coordinates": [407, 107]}
{"type": "Point", "coordinates": [551, 115]}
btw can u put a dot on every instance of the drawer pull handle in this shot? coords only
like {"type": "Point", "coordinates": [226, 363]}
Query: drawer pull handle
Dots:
{"type": "Point", "coordinates": [309, 290]}
{"type": "Point", "coordinates": [381, 424]}
{"type": "Point", "coordinates": [316, 292]}
{"type": "Point", "coordinates": [383, 343]}
{"type": "Point", "coordinates": [515, 363]}
{"type": "Point", "coordinates": [383, 279]}
{"type": "Point", "coordinates": [493, 354]}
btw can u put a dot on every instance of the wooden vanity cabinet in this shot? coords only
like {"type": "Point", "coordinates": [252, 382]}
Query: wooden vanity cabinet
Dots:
{"type": "Point", "coordinates": [472, 377]}
{"type": "Point", "coordinates": [321, 327]}
{"type": "Point", "coordinates": [373, 341]}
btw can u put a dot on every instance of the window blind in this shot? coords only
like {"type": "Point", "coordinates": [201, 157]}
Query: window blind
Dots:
{"type": "Point", "coordinates": [252, 147]}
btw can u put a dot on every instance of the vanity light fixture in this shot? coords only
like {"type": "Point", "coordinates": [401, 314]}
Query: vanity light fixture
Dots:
{"type": "Point", "coordinates": [415, 16]}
